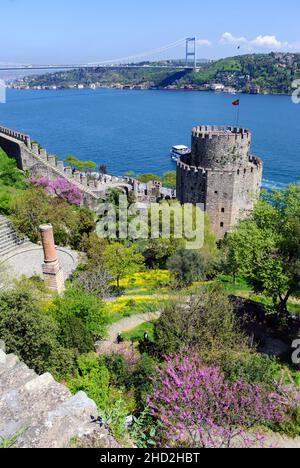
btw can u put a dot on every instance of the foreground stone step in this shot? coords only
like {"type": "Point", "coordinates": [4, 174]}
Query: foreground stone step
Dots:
{"type": "Point", "coordinates": [42, 413]}
{"type": "Point", "coordinates": [8, 362]}
{"type": "Point", "coordinates": [22, 408]}
{"type": "Point", "coordinates": [69, 420]}
{"type": "Point", "coordinates": [15, 377]}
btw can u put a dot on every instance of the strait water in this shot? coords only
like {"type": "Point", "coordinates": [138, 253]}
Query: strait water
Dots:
{"type": "Point", "coordinates": [134, 130]}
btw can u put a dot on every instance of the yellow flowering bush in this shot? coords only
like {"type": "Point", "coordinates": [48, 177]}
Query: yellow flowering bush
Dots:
{"type": "Point", "coordinates": [147, 280]}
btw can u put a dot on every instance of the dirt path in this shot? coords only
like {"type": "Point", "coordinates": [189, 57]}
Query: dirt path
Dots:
{"type": "Point", "coordinates": [124, 325]}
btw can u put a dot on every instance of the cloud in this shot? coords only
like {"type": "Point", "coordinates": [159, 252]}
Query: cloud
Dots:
{"type": "Point", "coordinates": [204, 43]}
{"type": "Point", "coordinates": [266, 41]}
{"type": "Point", "coordinates": [228, 38]}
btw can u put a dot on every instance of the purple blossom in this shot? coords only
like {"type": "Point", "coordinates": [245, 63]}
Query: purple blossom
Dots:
{"type": "Point", "coordinates": [199, 408]}
{"type": "Point", "coordinates": [61, 188]}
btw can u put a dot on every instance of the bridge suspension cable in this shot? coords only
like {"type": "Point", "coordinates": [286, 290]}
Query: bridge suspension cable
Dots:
{"type": "Point", "coordinates": [143, 54]}
{"type": "Point", "coordinates": [118, 62]}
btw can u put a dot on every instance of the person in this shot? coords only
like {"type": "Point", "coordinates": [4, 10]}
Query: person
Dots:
{"type": "Point", "coordinates": [119, 338]}
{"type": "Point", "coordinates": [146, 337]}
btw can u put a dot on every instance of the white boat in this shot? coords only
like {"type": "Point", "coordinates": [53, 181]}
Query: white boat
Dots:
{"type": "Point", "coordinates": [178, 151]}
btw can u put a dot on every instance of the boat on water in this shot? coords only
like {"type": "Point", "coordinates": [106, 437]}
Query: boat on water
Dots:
{"type": "Point", "coordinates": [178, 151]}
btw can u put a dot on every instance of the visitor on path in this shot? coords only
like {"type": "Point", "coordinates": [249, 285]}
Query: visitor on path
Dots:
{"type": "Point", "coordinates": [120, 338]}
{"type": "Point", "coordinates": [146, 337]}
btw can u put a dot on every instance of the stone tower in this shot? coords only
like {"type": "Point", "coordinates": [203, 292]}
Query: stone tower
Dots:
{"type": "Point", "coordinates": [220, 173]}
{"type": "Point", "coordinates": [52, 271]}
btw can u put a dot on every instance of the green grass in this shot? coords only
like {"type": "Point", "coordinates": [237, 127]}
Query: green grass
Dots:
{"type": "Point", "coordinates": [129, 310]}
{"type": "Point", "coordinates": [241, 288]}
{"type": "Point", "coordinates": [231, 287]}
{"type": "Point", "coordinates": [137, 333]}
{"type": "Point", "coordinates": [10, 441]}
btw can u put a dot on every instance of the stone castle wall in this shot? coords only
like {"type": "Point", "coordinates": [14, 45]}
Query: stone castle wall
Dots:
{"type": "Point", "coordinates": [221, 174]}
{"type": "Point", "coordinates": [219, 147]}
{"type": "Point", "coordinates": [34, 159]}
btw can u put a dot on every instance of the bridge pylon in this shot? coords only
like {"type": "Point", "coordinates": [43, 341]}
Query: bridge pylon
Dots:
{"type": "Point", "coordinates": [191, 51]}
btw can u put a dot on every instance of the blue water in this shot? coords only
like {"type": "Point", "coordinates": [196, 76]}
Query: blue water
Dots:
{"type": "Point", "coordinates": [134, 130]}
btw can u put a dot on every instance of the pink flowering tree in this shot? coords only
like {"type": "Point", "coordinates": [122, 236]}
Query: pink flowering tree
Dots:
{"type": "Point", "coordinates": [61, 188]}
{"type": "Point", "coordinates": [198, 408]}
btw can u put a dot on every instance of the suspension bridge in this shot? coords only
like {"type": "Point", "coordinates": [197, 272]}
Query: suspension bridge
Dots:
{"type": "Point", "coordinates": [142, 60]}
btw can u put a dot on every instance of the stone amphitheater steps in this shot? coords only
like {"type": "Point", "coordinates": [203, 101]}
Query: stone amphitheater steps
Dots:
{"type": "Point", "coordinates": [10, 241]}
{"type": "Point", "coordinates": [41, 412]}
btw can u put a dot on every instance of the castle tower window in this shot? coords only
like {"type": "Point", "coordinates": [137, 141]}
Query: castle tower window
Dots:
{"type": "Point", "coordinates": [223, 210]}
{"type": "Point", "coordinates": [216, 192]}
{"type": "Point", "coordinates": [238, 172]}
{"type": "Point", "coordinates": [245, 171]}
{"type": "Point", "coordinates": [222, 225]}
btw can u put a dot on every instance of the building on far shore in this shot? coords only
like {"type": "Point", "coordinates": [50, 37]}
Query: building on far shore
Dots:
{"type": "Point", "coordinates": [221, 173]}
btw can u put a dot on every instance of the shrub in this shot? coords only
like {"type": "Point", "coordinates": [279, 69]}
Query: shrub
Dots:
{"type": "Point", "coordinates": [92, 377]}
{"type": "Point", "coordinates": [197, 407]}
{"type": "Point", "coordinates": [186, 266]}
{"type": "Point", "coordinates": [74, 334]}
{"type": "Point", "coordinates": [86, 307]}
{"type": "Point", "coordinates": [32, 335]}
{"type": "Point", "coordinates": [206, 322]}
{"type": "Point", "coordinates": [60, 187]}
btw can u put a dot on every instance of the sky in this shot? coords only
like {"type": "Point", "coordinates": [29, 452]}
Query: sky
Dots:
{"type": "Point", "coordinates": [77, 31]}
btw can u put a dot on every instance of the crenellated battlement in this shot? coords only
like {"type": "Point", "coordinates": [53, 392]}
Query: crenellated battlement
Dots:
{"type": "Point", "coordinates": [16, 135]}
{"type": "Point", "coordinates": [221, 132]}
{"type": "Point", "coordinates": [31, 157]}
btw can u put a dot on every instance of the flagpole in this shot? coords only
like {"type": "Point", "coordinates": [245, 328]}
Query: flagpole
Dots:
{"type": "Point", "coordinates": [238, 114]}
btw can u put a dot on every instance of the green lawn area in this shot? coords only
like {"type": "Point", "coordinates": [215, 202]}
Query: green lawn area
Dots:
{"type": "Point", "coordinates": [137, 333]}
{"type": "Point", "coordinates": [147, 291]}
{"type": "Point", "coordinates": [241, 288]}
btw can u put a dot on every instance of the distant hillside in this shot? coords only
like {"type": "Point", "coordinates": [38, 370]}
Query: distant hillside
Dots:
{"type": "Point", "coordinates": [272, 73]}
{"type": "Point", "coordinates": [267, 73]}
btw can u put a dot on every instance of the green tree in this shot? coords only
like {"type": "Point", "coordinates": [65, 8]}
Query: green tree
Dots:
{"type": "Point", "coordinates": [34, 207]}
{"type": "Point", "coordinates": [265, 249]}
{"type": "Point", "coordinates": [157, 251]}
{"type": "Point", "coordinates": [186, 266]}
{"type": "Point", "coordinates": [206, 323]}
{"type": "Point", "coordinates": [86, 307]}
{"type": "Point", "coordinates": [31, 334]}
{"type": "Point", "coordinates": [169, 179]}
{"type": "Point", "coordinates": [79, 165]}
{"type": "Point", "coordinates": [122, 260]}
{"type": "Point", "coordinates": [148, 177]}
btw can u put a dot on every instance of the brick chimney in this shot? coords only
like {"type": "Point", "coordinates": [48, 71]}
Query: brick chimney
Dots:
{"type": "Point", "coordinates": [52, 271]}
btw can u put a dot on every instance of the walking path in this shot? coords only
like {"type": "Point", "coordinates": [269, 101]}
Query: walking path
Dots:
{"type": "Point", "coordinates": [126, 324]}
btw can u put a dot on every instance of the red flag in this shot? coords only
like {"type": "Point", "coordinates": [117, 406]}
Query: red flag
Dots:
{"type": "Point", "coordinates": [236, 103]}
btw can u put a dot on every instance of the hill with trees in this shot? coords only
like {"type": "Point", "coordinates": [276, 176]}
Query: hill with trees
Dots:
{"type": "Point", "coordinates": [270, 73]}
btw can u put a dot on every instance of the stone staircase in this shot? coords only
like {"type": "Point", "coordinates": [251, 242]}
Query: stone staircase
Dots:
{"type": "Point", "coordinates": [41, 413]}
{"type": "Point", "coordinates": [10, 241]}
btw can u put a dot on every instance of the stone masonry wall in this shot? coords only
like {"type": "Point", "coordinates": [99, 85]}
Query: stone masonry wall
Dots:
{"type": "Point", "coordinates": [220, 173]}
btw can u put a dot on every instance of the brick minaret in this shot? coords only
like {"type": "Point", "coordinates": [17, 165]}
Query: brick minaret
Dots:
{"type": "Point", "coordinates": [52, 271]}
